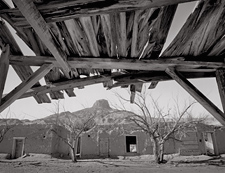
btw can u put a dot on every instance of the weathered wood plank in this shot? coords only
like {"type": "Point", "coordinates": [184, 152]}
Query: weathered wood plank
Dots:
{"type": "Point", "coordinates": [220, 78]}
{"type": "Point", "coordinates": [23, 71]}
{"type": "Point", "coordinates": [55, 76]}
{"type": "Point", "coordinates": [123, 80]}
{"type": "Point", "coordinates": [202, 30]}
{"type": "Point", "coordinates": [195, 93]}
{"type": "Point", "coordinates": [111, 63]}
{"type": "Point", "coordinates": [90, 33]}
{"type": "Point", "coordinates": [159, 23]}
{"type": "Point", "coordinates": [122, 35]}
{"type": "Point", "coordinates": [24, 86]}
{"type": "Point", "coordinates": [78, 37]}
{"type": "Point", "coordinates": [4, 66]}
{"type": "Point", "coordinates": [63, 10]}
{"type": "Point", "coordinates": [33, 43]}
{"type": "Point", "coordinates": [135, 34]}
{"type": "Point", "coordinates": [107, 32]}
{"type": "Point", "coordinates": [73, 83]}
{"type": "Point", "coordinates": [20, 32]}
{"type": "Point", "coordinates": [153, 84]}
{"type": "Point", "coordinates": [35, 19]}
{"type": "Point", "coordinates": [132, 93]}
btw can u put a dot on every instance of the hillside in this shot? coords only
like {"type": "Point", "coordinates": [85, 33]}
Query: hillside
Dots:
{"type": "Point", "coordinates": [101, 111]}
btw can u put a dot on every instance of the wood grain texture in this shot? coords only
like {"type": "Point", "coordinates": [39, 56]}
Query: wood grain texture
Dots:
{"type": "Point", "coordinates": [23, 71]}
{"type": "Point", "coordinates": [220, 79]}
{"type": "Point", "coordinates": [200, 34]}
{"type": "Point", "coordinates": [24, 86]}
{"type": "Point", "coordinates": [111, 63]}
{"type": "Point", "coordinates": [55, 11]}
{"type": "Point", "coordinates": [4, 66]}
{"type": "Point", "coordinates": [153, 84]}
{"type": "Point", "coordinates": [35, 19]}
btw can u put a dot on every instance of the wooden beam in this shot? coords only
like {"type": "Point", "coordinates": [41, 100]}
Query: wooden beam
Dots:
{"type": "Point", "coordinates": [23, 71]}
{"type": "Point", "coordinates": [4, 66]}
{"type": "Point", "coordinates": [63, 10]}
{"type": "Point", "coordinates": [202, 33]}
{"type": "Point", "coordinates": [153, 84]}
{"type": "Point", "coordinates": [73, 83]}
{"type": "Point", "coordinates": [112, 63]}
{"type": "Point", "coordinates": [35, 19]}
{"type": "Point", "coordinates": [220, 78]}
{"type": "Point", "coordinates": [195, 93]}
{"type": "Point", "coordinates": [24, 86]}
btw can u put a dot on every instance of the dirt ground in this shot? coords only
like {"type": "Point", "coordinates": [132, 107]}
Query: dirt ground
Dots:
{"type": "Point", "coordinates": [40, 163]}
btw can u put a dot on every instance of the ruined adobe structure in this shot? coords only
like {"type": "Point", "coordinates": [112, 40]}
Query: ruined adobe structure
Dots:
{"type": "Point", "coordinates": [106, 139]}
{"type": "Point", "coordinates": [33, 138]}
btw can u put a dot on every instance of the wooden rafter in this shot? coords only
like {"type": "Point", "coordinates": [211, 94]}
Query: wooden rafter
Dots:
{"type": "Point", "coordinates": [24, 86]}
{"type": "Point", "coordinates": [64, 10]}
{"type": "Point", "coordinates": [23, 71]}
{"type": "Point", "coordinates": [195, 93]}
{"type": "Point", "coordinates": [220, 78]}
{"type": "Point", "coordinates": [4, 66]}
{"type": "Point", "coordinates": [35, 19]}
{"type": "Point", "coordinates": [109, 63]}
{"type": "Point", "coordinates": [202, 33]}
{"type": "Point", "coordinates": [112, 81]}
{"type": "Point", "coordinates": [73, 83]}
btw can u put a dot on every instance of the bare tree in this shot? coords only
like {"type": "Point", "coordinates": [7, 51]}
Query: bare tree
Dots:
{"type": "Point", "coordinates": [75, 126]}
{"type": "Point", "coordinates": [158, 123]}
{"type": "Point", "coordinates": [5, 127]}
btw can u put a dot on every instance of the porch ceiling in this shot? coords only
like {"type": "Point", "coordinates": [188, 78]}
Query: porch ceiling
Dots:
{"type": "Point", "coordinates": [117, 43]}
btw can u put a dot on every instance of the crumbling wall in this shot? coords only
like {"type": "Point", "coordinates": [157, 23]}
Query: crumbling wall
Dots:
{"type": "Point", "coordinates": [117, 143]}
{"type": "Point", "coordinates": [37, 139]}
{"type": "Point", "coordinates": [220, 140]}
{"type": "Point", "coordinates": [59, 147]}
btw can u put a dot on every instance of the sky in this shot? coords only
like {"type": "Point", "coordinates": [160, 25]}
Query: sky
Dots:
{"type": "Point", "coordinates": [166, 91]}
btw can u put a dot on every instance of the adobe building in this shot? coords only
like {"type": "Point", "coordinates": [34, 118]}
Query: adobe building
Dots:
{"type": "Point", "coordinates": [34, 138]}
{"type": "Point", "coordinates": [108, 141]}
{"type": "Point", "coordinates": [113, 141]}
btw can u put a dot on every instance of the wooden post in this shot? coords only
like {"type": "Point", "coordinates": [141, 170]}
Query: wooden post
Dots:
{"type": "Point", "coordinates": [194, 92]}
{"type": "Point", "coordinates": [220, 78]}
{"type": "Point", "coordinates": [4, 66]}
{"type": "Point", "coordinates": [24, 86]}
{"type": "Point", "coordinates": [153, 84]}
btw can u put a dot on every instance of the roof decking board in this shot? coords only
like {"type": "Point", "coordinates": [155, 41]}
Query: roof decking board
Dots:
{"type": "Point", "coordinates": [99, 37]}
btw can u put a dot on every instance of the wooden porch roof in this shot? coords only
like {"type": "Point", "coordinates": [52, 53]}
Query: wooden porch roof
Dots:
{"type": "Point", "coordinates": [115, 42]}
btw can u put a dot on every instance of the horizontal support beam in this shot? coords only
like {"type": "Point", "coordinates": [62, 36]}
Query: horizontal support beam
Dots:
{"type": "Point", "coordinates": [63, 10]}
{"type": "Point", "coordinates": [195, 93]}
{"type": "Point", "coordinates": [73, 83]}
{"type": "Point", "coordinates": [24, 86]}
{"type": "Point", "coordinates": [112, 63]}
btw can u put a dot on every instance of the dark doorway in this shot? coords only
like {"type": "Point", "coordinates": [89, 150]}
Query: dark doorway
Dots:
{"type": "Point", "coordinates": [131, 144]}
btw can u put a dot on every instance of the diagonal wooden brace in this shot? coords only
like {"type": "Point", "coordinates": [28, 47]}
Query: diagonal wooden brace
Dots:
{"type": "Point", "coordinates": [24, 86]}
{"type": "Point", "coordinates": [4, 66]}
{"type": "Point", "coordinates": [194, 92]}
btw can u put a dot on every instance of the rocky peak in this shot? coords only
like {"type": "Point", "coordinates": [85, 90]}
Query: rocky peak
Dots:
{"type": "Point", "coordinates": [101, 104]}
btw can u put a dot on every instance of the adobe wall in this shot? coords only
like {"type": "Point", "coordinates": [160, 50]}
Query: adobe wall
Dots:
{"type": "Point", "coordinates": [59, 147]}
{"type": "Point", "coordinates": [117, 144]}
{"type": "Point", "coordinates": [220, 140]}
{"type": "Point", "coordinates": [37, 140]}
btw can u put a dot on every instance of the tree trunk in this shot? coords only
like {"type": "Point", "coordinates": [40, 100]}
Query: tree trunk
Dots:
{"type": "Point", "coordinates": [74, 151]}
{"type": "Point", "coordinates": [161, 151]}
{"type": "Point", "coordinates": [156, 149]}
